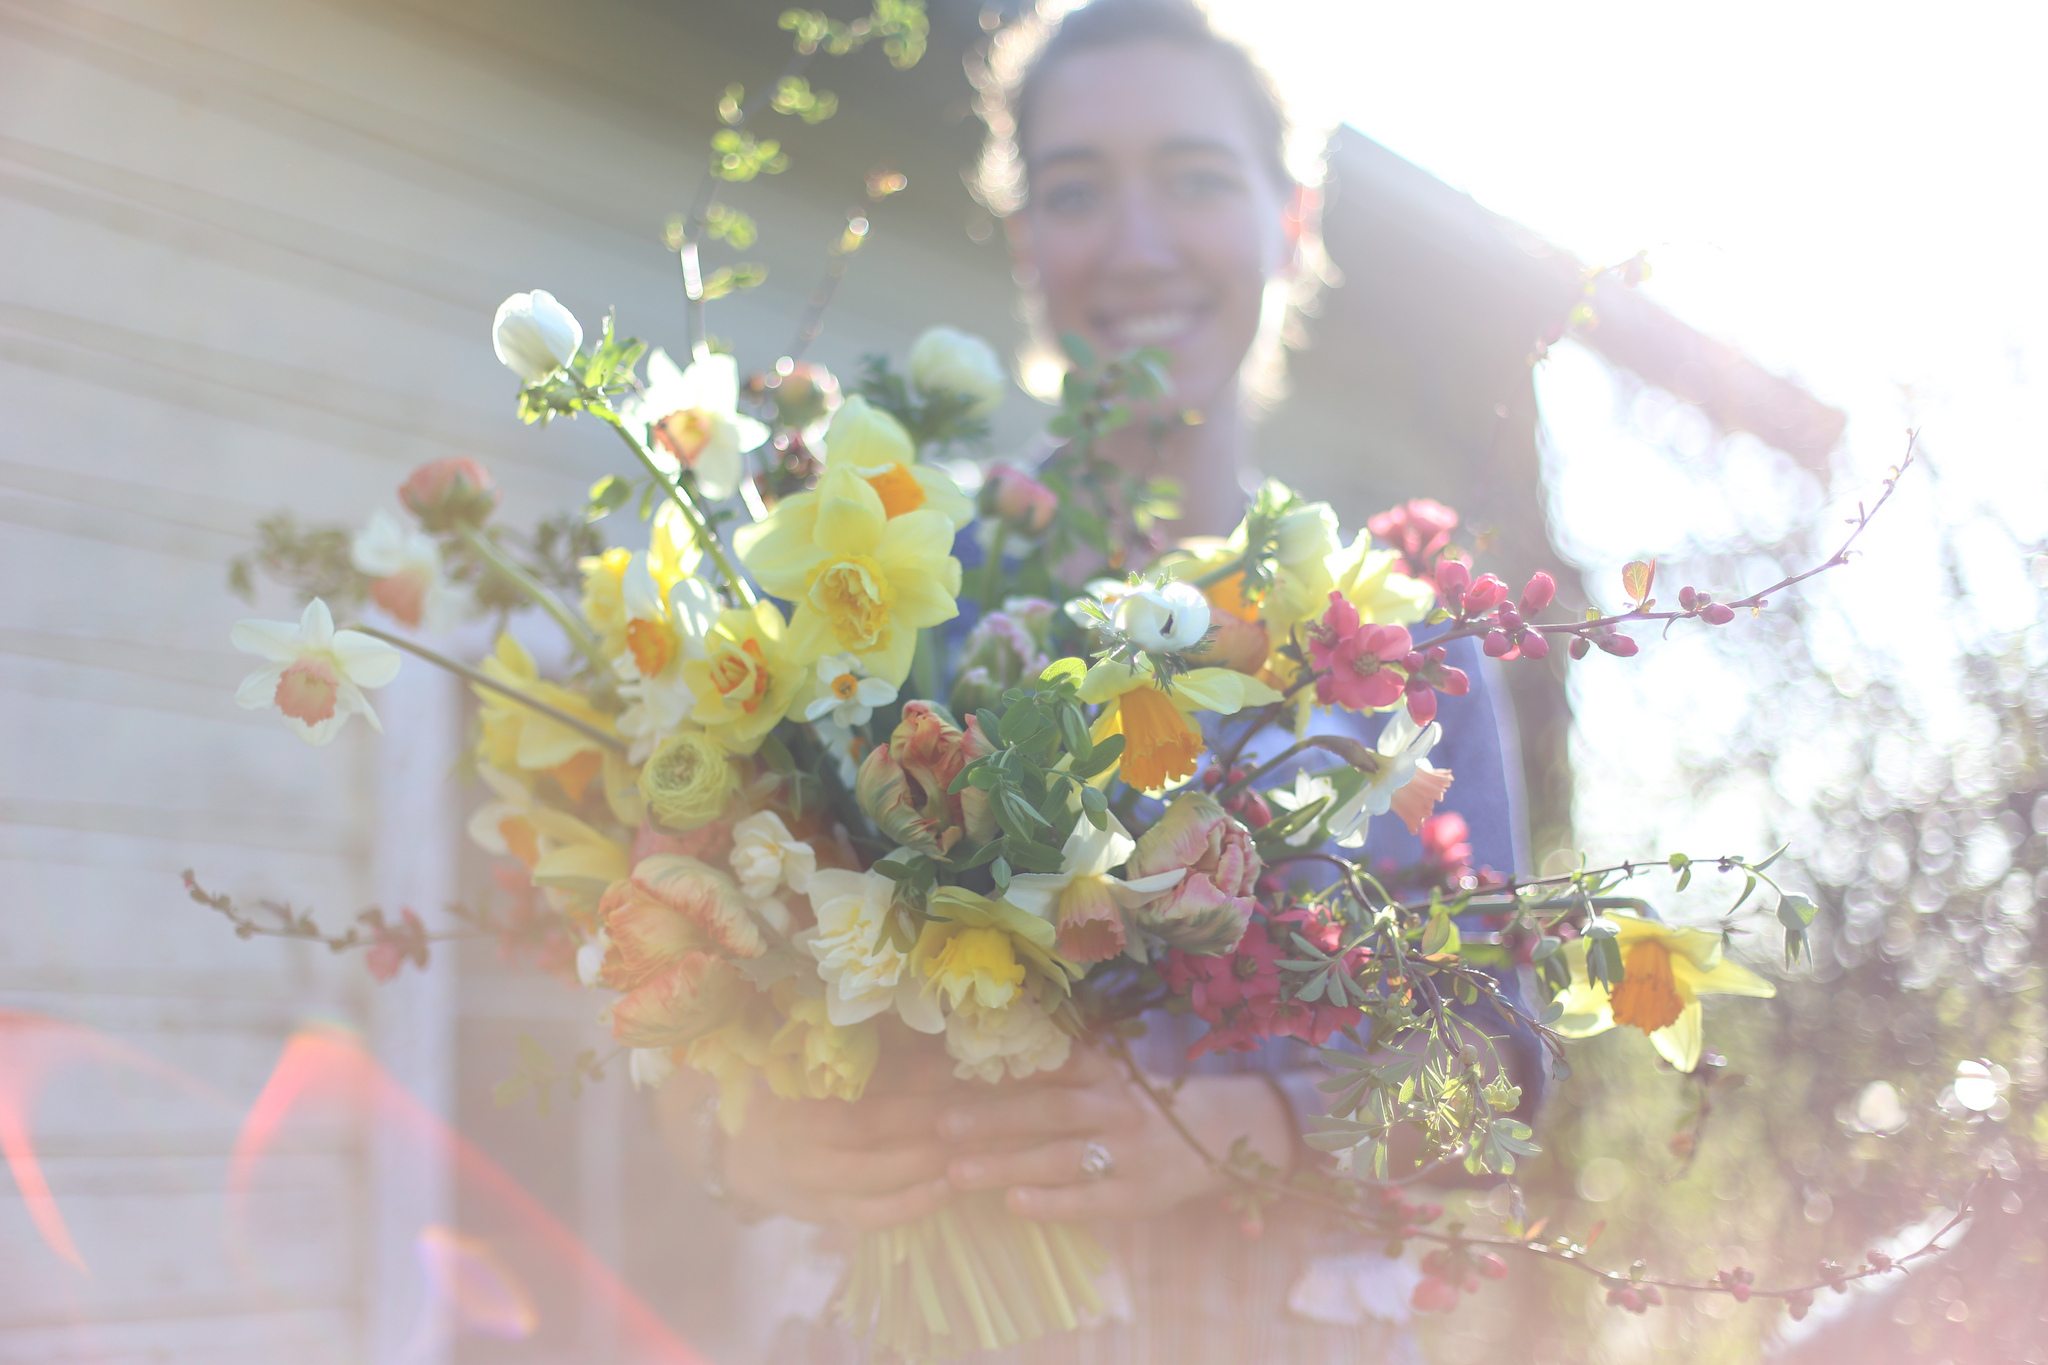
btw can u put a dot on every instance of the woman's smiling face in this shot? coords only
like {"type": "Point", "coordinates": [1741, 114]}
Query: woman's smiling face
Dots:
{"type": "Point", "coordinates": [1152, 217]}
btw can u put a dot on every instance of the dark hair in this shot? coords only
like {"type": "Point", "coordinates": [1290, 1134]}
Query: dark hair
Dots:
{"type": "Point", "coordinates": [1019, 56]}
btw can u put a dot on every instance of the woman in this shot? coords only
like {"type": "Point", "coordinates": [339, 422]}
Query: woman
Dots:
{"type": "Point", "coordinates": [1153, 206]}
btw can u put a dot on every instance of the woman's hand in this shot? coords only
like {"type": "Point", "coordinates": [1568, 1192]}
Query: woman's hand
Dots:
{"type": "Point", "coordinates": [1030, 1137]}
{"type": "Point", "coordinates": [873, 1163]}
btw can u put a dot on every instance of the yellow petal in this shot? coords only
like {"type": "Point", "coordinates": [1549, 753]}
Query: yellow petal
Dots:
{"type": "Point", "coordinates": [1679, 1042]}
{"type": "Point", "coordinates": [1221, 690]}
{"type": "Point", "coordinates": [850, 515]}
{"type": "Point", "coordinates": [1726, 977]}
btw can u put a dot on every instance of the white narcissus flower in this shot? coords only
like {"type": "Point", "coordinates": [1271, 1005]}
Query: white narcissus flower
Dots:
{"type": "Point", "coordinates": [405, 566]}
{"type": "Point", "coordinates": [1403, 750]}
{"type": "Point", "coordinates": [693, 420]}
{"type": "Point", "coordinates": [847, 693]}
{"type": "Point", "coordinates": [1083, 900]}
{"type": "Point", "coordinates": [948, 361]}
{"type": "Point", "coordinates": [864, 971]}
{"type": "Point", "coordinates": [534, 335]}
{"type": "Point", "coordinates": [765, 855]}
{"type": "Point", "coordinates": [1308, 789]}
{"type": "Point", "coordinates": [313, 674]}
{"type": "Point", "coordinates": [1172, 617]}
{"type": "Point", "coordinates": [663, 631]}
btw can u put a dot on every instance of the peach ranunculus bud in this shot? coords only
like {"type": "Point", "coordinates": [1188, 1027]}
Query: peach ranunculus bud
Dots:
{"type": "Point", "coordinates": [1205, 912]}
{"type": "Point", "coordinates": [534, 335]}
{"type": "Point", "coordinates": [1018, 501]}
{"type": "Point", "coordinates": [446, 494]}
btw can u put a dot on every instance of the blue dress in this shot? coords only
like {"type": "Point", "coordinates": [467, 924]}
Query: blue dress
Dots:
{"type": "Point", "coordinates": [1191, 1287]}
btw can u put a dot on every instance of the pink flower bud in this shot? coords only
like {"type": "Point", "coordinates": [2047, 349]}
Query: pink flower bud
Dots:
{"type": "Point", "coordinates": [1580, 646]}
{"type": "Point", "coordinates": [1018, 501]}
{"type": "Point", "coordinates": [1421, 702]}
{"type": "Point", "coordinates": [1452, 578]}
{"type": "Point", "coordinates": [1688, 597]}
{"type": "Point", "coordinates": [445, 494]}
{"type": "Point", "coordinates": [1433, 1295]}
{"type": "Point", "coordinates": [1535, 646]}
{"type": "Point", "coordinates": [1717, 613]}
{"type": "Point", "coordinates": [1452, 682]}
{"type": "Point", "coordinates": [1510, 619]}
{"type": "Point", "coordinates": [1619, 645]}
{"type": "Point", "coordinates": [1538, 593]}
{"type": "Point", "coordinates": [1498, 645]}
{"type": "Point", "coordinates": [1484, 595]}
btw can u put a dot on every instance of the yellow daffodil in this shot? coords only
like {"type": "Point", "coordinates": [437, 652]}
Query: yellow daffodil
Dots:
{"type": "Point", "coordinates": [564, 856]}
{"type": "Point", "coordinates": [981, 952]}
{"type": "Point", "coordinates": [864, 582]}
{"type": "Point", "coordinates": [518, 739]}
{"type": "Point", "coordinates": [744, 682]}
{"type": "Point", "coordinates": [1371, 581]}
{"type": "Point", "coordinates": [1665, 970]}
{"type": "Point", "coordinates": [1162, 740]}
{"type": "Point", "coordinates": [871, 443]}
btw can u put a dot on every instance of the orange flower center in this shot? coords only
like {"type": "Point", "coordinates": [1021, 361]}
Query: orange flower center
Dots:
{"type": "Point", "coordinates": [1228, 597]}
{"type": "Point", "coordinates": [404, 595]}
{"type": "Point", "coordinates": [899, 489]}
{"type": "Point", "coordinates": [740, 677]}
{"type": "Point", "coordinates": [845, 685]}
{"type": "Point", "coordinates": [1648, 994]}
{"type": "Point", "coordinates": [685, 434]}
{"type": "Point", "coordinates": [1160, 744]}
{"type": "Point", "coordinates": [576, 775]}
{"type": "Point", "coordinates": [653, 645]}
{"type": "Point", "coordinates": [519, 836]}
{"type": "Point", "coordinates": [308, 690]}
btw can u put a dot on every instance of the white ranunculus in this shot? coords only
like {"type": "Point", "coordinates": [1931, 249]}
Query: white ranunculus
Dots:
{"type": "Point", "coordinates": [864, 971]}
{"type": "Point", "coordinates": [946, 360]}
{"type": "Point", "coordinates": [1173, 617]}
{"type": "Point", "coordinates": [1020, 1039]}
{"type": "Point", "coordinates": [534, 335]}
{"type": "Point", "coordinates": [765, 855]}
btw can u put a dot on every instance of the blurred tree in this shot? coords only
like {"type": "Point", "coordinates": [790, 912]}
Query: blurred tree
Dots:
{"type": "Point", "coordinates": [1907, 766]}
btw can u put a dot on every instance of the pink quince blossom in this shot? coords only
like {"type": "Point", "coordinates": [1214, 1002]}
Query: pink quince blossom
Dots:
{"type": "Point", "coordinates": [1359, 662]}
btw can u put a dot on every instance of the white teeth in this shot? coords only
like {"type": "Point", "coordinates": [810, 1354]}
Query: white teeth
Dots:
{"type": "Point", "coordinates": [1152, 328]}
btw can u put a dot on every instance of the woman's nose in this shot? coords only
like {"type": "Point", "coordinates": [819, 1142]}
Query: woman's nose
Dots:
{"type": "Point", "coordinates": [1141, 238]}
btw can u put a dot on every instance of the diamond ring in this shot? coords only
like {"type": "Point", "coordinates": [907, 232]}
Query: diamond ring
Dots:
{"type": "Point", "coordinates": [1096, 1162]}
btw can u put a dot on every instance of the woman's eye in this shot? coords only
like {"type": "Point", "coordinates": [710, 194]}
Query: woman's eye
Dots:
{"type": "Point", "coordinates": [1069, 198]}
{"type": "Point", "coordinates": [1198, 184]}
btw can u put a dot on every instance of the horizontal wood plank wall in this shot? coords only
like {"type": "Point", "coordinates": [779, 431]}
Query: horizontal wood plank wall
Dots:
{"type": "Point", "coordinates": [253, 249]}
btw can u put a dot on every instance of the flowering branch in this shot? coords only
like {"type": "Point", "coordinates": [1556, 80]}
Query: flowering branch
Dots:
{"type": "Point", "coordinates": [388, 946]}
{"type": "Point", "coordinates": [1401, 1220]}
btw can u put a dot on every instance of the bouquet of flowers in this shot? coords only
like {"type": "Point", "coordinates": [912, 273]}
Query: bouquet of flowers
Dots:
{"type": "Point", "coordinates": [784, 795]}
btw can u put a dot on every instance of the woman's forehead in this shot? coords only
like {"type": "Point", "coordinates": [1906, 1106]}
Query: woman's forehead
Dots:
{"type": "Point", "coordinates": [1134, 102]}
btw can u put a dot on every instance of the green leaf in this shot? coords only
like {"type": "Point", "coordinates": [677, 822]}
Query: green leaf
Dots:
{"type": "Point", "coordinates": [1441, 936]}
{"type": "Point", "coordinates": [607, 495]}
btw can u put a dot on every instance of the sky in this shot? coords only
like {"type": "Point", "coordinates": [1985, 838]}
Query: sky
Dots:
{"type": "Point", "coordinates": [1852, 193]}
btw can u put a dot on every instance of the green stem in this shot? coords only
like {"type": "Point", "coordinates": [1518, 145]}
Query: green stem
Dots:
{"type": "Point", "coordinates": [992, 570]}
{"type": "Point", "coordinates": [491, 553]}
{"type": "Point", "coordinates": [687, 505]}
{"type": "Point", "coordinates": [580, 726]}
